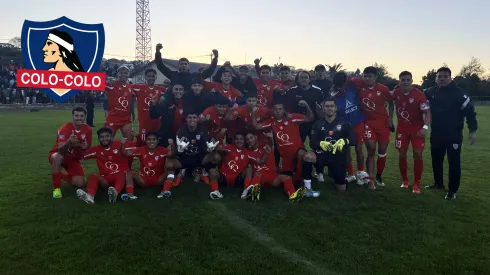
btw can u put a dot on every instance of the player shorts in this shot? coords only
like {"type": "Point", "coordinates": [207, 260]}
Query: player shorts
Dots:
{"type": "Point", "coordinates": [113, 178]}
{"type": "Point", "coordinates": [405, 137]}
{"type": "Point", "coordinates": [115, 126]}
{"type": "Point", "coordinates": [377, 132]}
{"type": "Point", "coordinates": [289, 158]}
{"type": "Point", "coordinates": [268, 177]}
{"type": "Point", "coordinates": [72, 165]}
{"type": "Point", "coordinates": [231, 179]}
{"type": "Point", "coordinates": [337, 165]}
{"type": "Point", "coordinates": [150, 180]}
{"type": "Point", "coordinates": [359, 130]}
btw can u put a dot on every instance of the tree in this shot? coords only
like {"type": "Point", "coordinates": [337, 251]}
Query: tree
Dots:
{"type": "Point", "coordinates": [382, 70]}
{"type": "Point", "coordinates": [332, 69]}
{"type": "Point", "coordinates": [473, 67]}
{"type": "Point", "coordinates": [15, 42]}
{"type": "Point", "coordinates": [429, 79]}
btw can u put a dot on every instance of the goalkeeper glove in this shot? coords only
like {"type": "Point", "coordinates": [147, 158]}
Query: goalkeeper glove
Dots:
{"type": "Point", "coordinates": [181, 145]}
{"type": "Point", "coordinates": [212, 145]}
{"type": "Point", "coordinates": [325, 145]}
{"type": "Point", "coordinates": [339, 145]}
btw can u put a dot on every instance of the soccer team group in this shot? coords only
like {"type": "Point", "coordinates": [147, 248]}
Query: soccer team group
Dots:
{"type": "Point", "coordinates": [252, 139]}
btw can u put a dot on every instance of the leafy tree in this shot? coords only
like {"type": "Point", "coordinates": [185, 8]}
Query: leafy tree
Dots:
{"type": "Point", "coordinates": [473, 67]}
{"type": "Point", "coordinates": [382, 71]}
{"type": "Point", "coordinates": [332, 69]}
{"type": "Point", "coordinates": [429, 79]}
{"type": "Point", "coordinates": [15, 42]}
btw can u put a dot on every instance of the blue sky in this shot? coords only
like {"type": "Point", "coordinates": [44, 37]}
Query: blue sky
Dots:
{"type": "Point", "coordinates": [404, 35]}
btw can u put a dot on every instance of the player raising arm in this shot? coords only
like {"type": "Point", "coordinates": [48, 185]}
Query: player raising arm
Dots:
{"type": "Point", "coordinates": [374, 98]}
{"type": "Point", "coordinates": [119, 96]}
{"type": "Point", "coordinates": [329, 138]}
{"type": "Point", "coordinates": [112, 165]}
{"type": "Point", "coordinates": [72, 141]}
{"type": "Point", "coordinates": [152, 163]}
{"type": "Point", "coordinates": [414, 117]}
{"type": "Point", "coordinates": [194, 149]}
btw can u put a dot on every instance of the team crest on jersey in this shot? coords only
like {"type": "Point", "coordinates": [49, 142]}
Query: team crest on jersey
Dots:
{"type": "Point", "coordinates": [339, 127]}
{"type": "Point", "coordinates": [62, 136]}
{"type": "Point", "coordinates": [62, 57]}
{"type": "Point", "coordinates": [455, 146]}
{"type": "Point", "coordinates": [411, 100]}
{"type": "Point", "coordinates": [115, 151]}
{"type": "Point", "coordinates": [83, 136]}
{"type": "Point", "coordinates": [181, 111]}
{"type": "Point", "coordinates": [156, 158]}
{"type": "Point", "coordinates": [198, 137]}
{"type": "Point", "coordinates": [323, 128]}
{"type": "Point", "coordinates": [243, 156]}
{"type": "Point", "coordinates": [378, 93]}
{"type": "Point", "coordinates": [399, 135]}
{"type": "Point", "coordinates": [285, 123]}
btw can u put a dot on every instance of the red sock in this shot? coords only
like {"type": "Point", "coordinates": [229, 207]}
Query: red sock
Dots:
{"type": "Point", "coordinates": [247, 183]}
{"type": "Point", "coordinates": [402, 164]}
{"type": "Point", "coordinates": [92, 185]}
{"type": "Point", "coordinates": [167, 184]}
{"type": "Point", "coordinates": [380, 164]}
{"type": "Point", "coordinates": [214, 185]}
{"type": "Point", "coordinates": [360, 166]}
{"type": "Point", "coordinates": [289, 187]}
{"type": "Point", "coordinates": [130, 189]}
{"type": "Point", "coordinates": [120, 182]}
{"type": "Point", "coordinates": [350, 169]}
{"type": "Point", "coordinates": [256, 180]}
{"type": "Point", "coordinates": [66, 177]}
{"type": "Point", "coordinates": [56, 177]}
{"type": "Point", "coordinates": [418, 168]}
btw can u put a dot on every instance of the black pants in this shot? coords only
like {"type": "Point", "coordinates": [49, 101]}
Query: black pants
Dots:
{"type": "Point", "coordinates": [90, 114]}
{"type": "Point", "coordinates": [304, 132]}
{"type": "Point", "coordinates": [337, 165]}
{"type": "Point", "coordinates": [438, 150]}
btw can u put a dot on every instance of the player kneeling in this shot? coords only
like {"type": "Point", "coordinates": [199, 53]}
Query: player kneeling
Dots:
{"type": "Point", "coordinates": [264, 166]}
{"type": "Point", "coordinates": [234, 167]}
{"type": "Point", "coordinates": [152, 164]}
{"type": "Point", "coordinates": [329, 138]}
{"type": "Point", "coordinates": [112, 165]}
{"type": "Point", "coordinates": [194, 149]}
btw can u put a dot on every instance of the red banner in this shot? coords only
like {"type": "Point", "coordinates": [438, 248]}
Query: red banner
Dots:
{"type": "Point", "coordinates": [61, 80]}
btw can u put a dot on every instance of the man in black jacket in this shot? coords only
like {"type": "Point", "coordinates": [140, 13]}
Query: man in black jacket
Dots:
{"type": "Point", "coordinates": [321, 80]}
{"type": "Point", "coordinates": [198, 100]}
{"type": "Point", "coordinates": [241, 81]}
{"type": "Point", "coordinates": [449, 105]}
{"type": "Point", "coordinates": [183, 75]}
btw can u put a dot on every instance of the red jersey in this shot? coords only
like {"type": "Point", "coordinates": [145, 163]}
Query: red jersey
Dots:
{"type": "Point", "coordinates": [151, 164]}
{"type": "Point", "coordinates": [286, 131]}
{"type": "Point", "coordinates": [84, 135]}
{"type": "Point", "coordinates": [109, 160]}
{"type": "Point", "coordinates": [144, 95]}
{"type": "Point", "coordinates": [214, 124]}
{"type": "Point", "coordinates": [269, 165]}
{"type": "Point", "coordinates": [231, 94]}
{"type": "Point", "coordinates": [119, 98]}
{"type": "Point", "coordinates": [265, 92]}
{"type": "Point", "coordinates": [410, 107]}
{"type": "Point", "coordinates": [373, 100]}
{"type": "Point", "coordinates": [243, 116]}
{"type": "Point", "coordinates": [179, 115]}
{"type": "Point", "coordinates": [235, 161]}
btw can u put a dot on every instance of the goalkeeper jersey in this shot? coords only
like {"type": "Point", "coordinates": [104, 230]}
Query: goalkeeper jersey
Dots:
{"type": "Point", "coordinates": [197, 140]}
{"type": "Point", "coordinates": [331, 132]}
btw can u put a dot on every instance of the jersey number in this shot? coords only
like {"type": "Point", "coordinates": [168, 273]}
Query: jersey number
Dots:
{"type": "Point", "coordinates": [367, 134]}
{"type": "Point", "coordinates": [398, 143]}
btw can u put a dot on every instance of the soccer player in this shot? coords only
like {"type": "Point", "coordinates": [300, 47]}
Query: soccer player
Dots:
{"type": "Point", "coordinates": [414, 117]}
{"type": "Point", "coordinates": [119, 97]}
{"type": "Point", "coordinates": [194, 149]}
{"type": "Point", "coordinates": [112, 165]}
{"type": "Point", "coordinates": [264, 170]}
{"type": "Point", "coordinates": [233, 168]}
{"type": "Point", "coordinates": [348, 108]}
{"type": "Point", "coordinates": [213, 117]}
{"type": "Point", "coordinates": [265, 86]}
{"type": "Point", "coordinates": [374, 97]}
{"type": "Point", "coordinates": [242, 80]}
{"type": "Point", "coordinates": [287, 136]}
{"type": "Point", "coordinates": [72, 141]}
{"type": "Point", "coordinates": [321, 81]}
{"type": "Point", "coordinates": [329, 137]}
{"type": "Point", "coordinates": [152, 164]}
{"type": "Point", "coordinates": [144, 95]}
{"type": "Point", "coordinates": [225, 87]}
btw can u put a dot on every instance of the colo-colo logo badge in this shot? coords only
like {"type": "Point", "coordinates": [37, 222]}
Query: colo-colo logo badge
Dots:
{"type": "Point", "coordinates": [62, 57]}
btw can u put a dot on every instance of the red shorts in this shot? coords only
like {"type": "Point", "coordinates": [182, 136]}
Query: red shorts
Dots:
{"type": "Point", "coordinates": [230, 178]}
{"type": "Point", "coordinates": [115, 126]}
{"type": "Point", "coordinates": [377, 132]}
{"type": "Point", "coordinates": [359, 130]}
{"type": "Point", "coordinates": [289, 158]}
{"type": "Point", "coordinates": [406, 136]}
{"type": "Point", "coordinates": [150, 180]}
{"type": "Point", "coordinates": [268, 177]}
{"type": "Point", "coordinates": [72, 165]}
{"type": "Point", "coordinates": [113, 178]}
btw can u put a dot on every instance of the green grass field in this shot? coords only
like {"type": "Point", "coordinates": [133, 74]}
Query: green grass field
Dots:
{"type": "Point", "coordinates": [388, 231]}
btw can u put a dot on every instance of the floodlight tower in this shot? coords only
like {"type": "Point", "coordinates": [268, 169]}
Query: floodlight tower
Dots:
{"type": "Point", "coordinates": [143, 34]}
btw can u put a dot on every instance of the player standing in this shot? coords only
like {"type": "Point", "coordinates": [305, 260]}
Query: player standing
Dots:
{"type": "Point", "coordinates": [119, 98]}
{"type": "Point", "coordinates": [414, 117]}
{"type": "Point", "coordinates": [374, 98]}
{"type": "Point", "coordinates": [72, 141]}
{"type": "Point", "coordinates": [112, 165]}
{"type": "Point", "coordinates": [144, 95]}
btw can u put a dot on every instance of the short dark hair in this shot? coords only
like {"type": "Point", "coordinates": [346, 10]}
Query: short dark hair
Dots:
{"type": "Point", "coordinates": [284, 69]}
{"type": "Point", "coordinates": [244, 68]}
{"type": "Point", "coordinates": [152, 133]}
{"type": "Point", "coordinates": [183, 59]}
{"type": "Point", "coordinates": [104, 130]}
{"type": "Point", "coordinates": [240, 134]}
{"type": "Point", "coordinates": [329, 99]}
{"type": "Point", "coordinates": [220, 100]}
{"type": "Point", "coordinates": [320, 68]}
{"type": "Point", "coordinates": [191, 112]}
{"type": "Point", "coordinates": [150, 71]}
{"type": "Point", "coordinates": [370, 70]}
{"type": "Point", "coordinates": [265, 67]}
{"type": "Point", "coordinates": [227, 71]}
{"type": "Point", "coordinates": [339, 78]}
{"type": "Point", "coordinates": [444, 69]}
{"type": "Point", "coordinates": [251, 94]}
{"type": "Point", "coordinates": [404, 73]}
{"type": "Point", "coordinates": [79, 109]}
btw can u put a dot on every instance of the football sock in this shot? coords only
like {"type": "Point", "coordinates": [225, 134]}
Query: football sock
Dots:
{"type": "Point", "coordinates": [56, 177]}
{"type": "Point", "coordinates": [255, 180]}
{"type": "Point", "coordinates": [418, 165]}
{"type": "Point", "coordinates": [130, 189]}
{"type": "Point", "coordinates": [350, 169]}
{"type": "Point", "coordinates": [402, 164]}
{"type": "Point", "coordinates": [214, 185]}
{"type": "Point", "coordinates": [360, 166]}
{"type": "Point", "coordinates": [380, 164]}
{"type": "Point", "coordinates": [92, 185]}
{"type": "Point", "coordinates": [168, 182]}
{"type": "Point", "coordinates": [289, 187]}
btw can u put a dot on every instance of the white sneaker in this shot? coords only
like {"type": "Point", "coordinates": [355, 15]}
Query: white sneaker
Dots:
{"type": "Point", "coordinates": [362, 177]}
{"type": "Point", "coordinates": [319, 177]}
{"type": "Point", "coordinates": [84, 196]}
{"type": "Point", "coordinates": [350, 178]}
{"type": "Point", "coordinates": [111, 192]}
{"type": "Point", "coordinates": [215, 195]}
{"type": "Point", "coordinates": [128, 197]}
{"type": "Point", "coordinates": [164, 195]}
{"type": "Point", "coordinates": [247, 193]}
